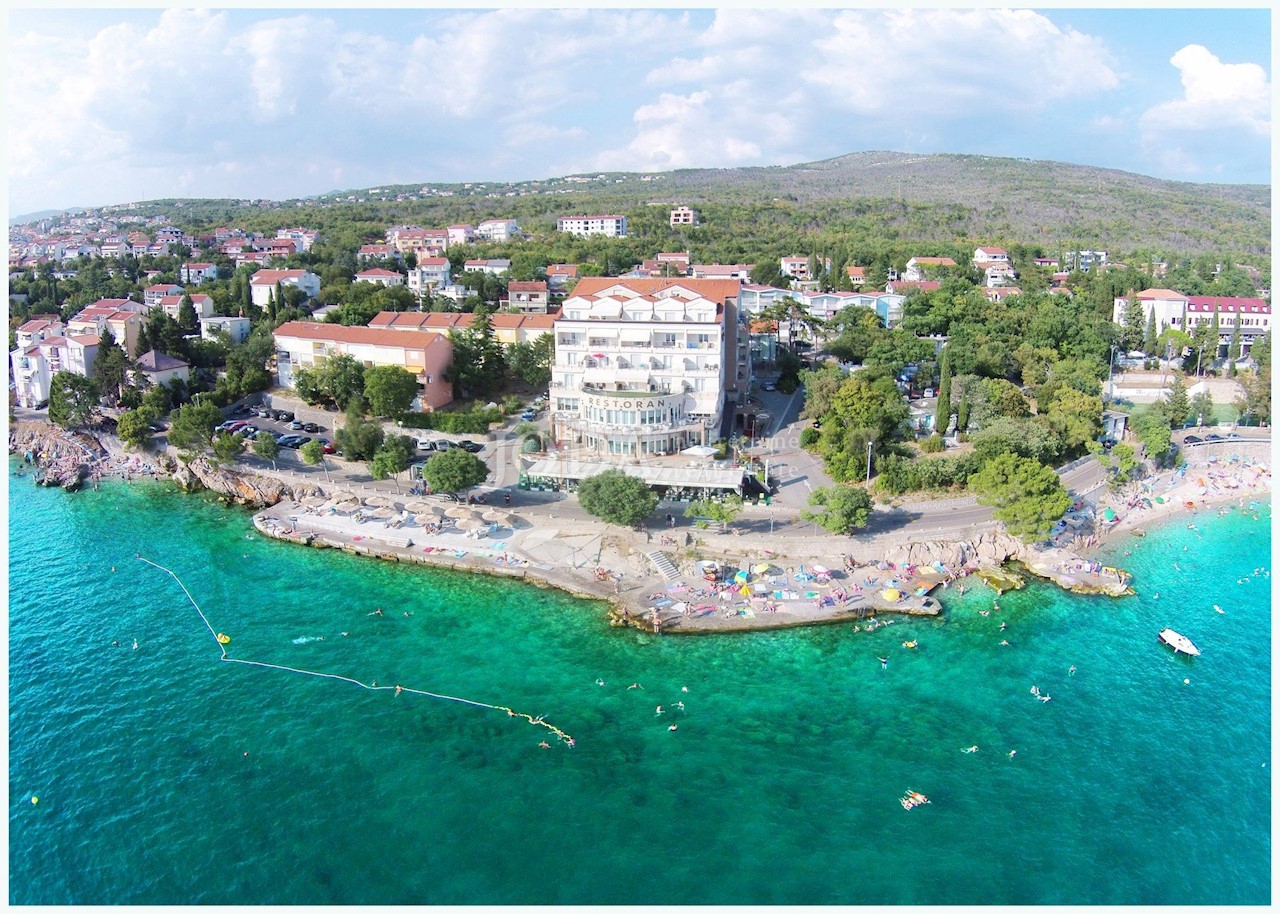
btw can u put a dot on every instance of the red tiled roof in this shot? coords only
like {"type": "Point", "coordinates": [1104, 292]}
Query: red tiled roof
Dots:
{"type": "Point", "coordinates": [372, 336]}
{"type": "Point", "coordinates": [271, 277]}
{"type": "Point", "coordinates": [538, 286]}
{"type": "Point", "coordinates": [1229, 304]}
{"type": "Point", "coordinates": [1160, 293]}
{"type": "Point", "coordinates": [444, 320]}
{"type": "Point", "coordinates": [379, 272]}
{"type": "Point", "coordinates": [716, 290]}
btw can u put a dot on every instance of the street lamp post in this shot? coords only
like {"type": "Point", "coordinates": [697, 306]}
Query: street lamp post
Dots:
{"type": "Point", "coordinates": [1111, 375]}
{"type": "Point", "coordinates": [869, 461]}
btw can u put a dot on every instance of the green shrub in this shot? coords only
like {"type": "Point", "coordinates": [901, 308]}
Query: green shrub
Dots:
{"type": "Point", "coordinates": [809, 437]}
{"type": "Point", "coordinates": [932, 445]}
{"type": "Point", "coordinates": [475, 421]}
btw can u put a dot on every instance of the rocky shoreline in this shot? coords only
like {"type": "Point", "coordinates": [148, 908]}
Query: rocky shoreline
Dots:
{"type": "Point", "coordinates": [860, 586]}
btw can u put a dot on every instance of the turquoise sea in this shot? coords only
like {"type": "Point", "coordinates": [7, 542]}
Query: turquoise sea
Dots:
{"type": "Point", "coordinates": [1145, 780]}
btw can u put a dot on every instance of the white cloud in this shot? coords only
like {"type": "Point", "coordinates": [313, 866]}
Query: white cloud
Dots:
{"type": "Point", "coordinates": [1216, 95]}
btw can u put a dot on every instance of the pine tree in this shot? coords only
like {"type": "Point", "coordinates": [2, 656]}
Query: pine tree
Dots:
{"type": "Point", "coordinates": [943, 416]}
{"type": "Point", "coordinates": [1133, 335]}
{"type": "Point", "coordinates": [962, 415]}
{"type": "Point", "coordinates": [1149, 339]}
{"type": "Point", "coordinates": [1215, 335]}
{"type": "Point", "coordinates": [1233, 349]}
{"type": "Point", "coordinates": [1178, 406]}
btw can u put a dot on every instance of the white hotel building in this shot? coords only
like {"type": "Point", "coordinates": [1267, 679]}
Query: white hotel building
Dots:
{"type": "Point", "coordinates": [645, 367]}
{"type": "Point", "coordinates": [609, 226]}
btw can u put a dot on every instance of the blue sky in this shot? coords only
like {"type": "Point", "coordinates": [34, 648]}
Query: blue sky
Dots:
{"type": "Point", "coordinates": [108, 106]}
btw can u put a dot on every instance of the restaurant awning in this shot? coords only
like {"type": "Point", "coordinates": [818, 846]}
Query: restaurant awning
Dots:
{"type": "Point", "coordinates": [701, 477]}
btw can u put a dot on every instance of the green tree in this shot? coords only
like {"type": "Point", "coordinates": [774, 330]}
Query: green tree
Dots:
{"type": "Point", "coordinates": [342, 379]}
{"type": "Point", "coordinates": [191, 427]}
{"type": "Point", "coordinates": [1154, 432]}
{"type": "Point", "coordinates": [265, 446]}
{"type": "Point", "coordinates": [1076, 417]}
{"type": "Point", "coordinates": [111, 368]}
{"type": "Point", "coordinates": [1200, 410]}
{"type": "Point", "coordinates": [389, 389]}
{"type": "Point", "coordinates": [1177, 406]}
{"type": "Point", "coordinates": [531, 362]}
{"type": "Point", "coordinates": [617, 498]}
{"type": "Point", "coordinates": [478, 366]}
{"type": "Point", "coordinates": [1028, 496]}
{"type": "Point", "coordinates": [1133, 334]}
{"type": "Point", "coordinates": [1149, 343]}
{"type": "Point", "coordinates": [312, 454]}
{"type": "Point", "coordinates": [722, 511]}
{"type": "Point", "coordinates": [227, 447]}
{"type": "Point", "coordinates": [1233, 348]}
{"type": "Point", "coordinates": [454, 471]}
{"type": "Point", "coordinates": [72, 399]}
{"type": "Point", "coordinates": [187, 320]}
{"type": "Point", "coordinates": [942, 418]}
{"type": "Point", "coordinates": [843, 509]}
{"type": "Point", "coordinates": [394, 457]}
{"type": "Point", "coordinates": [359, 438]}
{"type": "Point", "coordinates": [133, 427]}
{"type": "Point", "coordinates": [962, 414]}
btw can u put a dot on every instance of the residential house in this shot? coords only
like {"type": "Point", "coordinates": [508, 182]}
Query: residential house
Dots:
{"type": "Point", "coordinates": [905, 286]}
{"type": "Point", "coordinates": [236, 328]}
{"type": "Point", "coordinates": [645, 366]}
{"type": "Point", "coordinates": [194, 274]}
{"type": "Point", "coordinates": [756, 298]}
{"type": "Point", "coordinates": [122, 317]}
{"type": "Point", "coordinates": [498, 230]}
{"type": "Point", "coordinates": [263, 283]}
{"type": "Point", "coordinates": [1047, 263]}
{"type": "Point", "coordinates": [201, 303]}
{"type": "Point", "coordinates": [987, 255]}
{"type": "Point", "coordinates": [431, 274]}
{"type": "Point", "coordinates": [369, 252]}
{"type": "Point", "coordinates": [529, 297]}
{"type": "Point", "coordinates": [494, 267]}
{"type": "Point", "coordinates": [461, 234]}
{"type": "Point", "coordinates": [1084, 261]}
{"type": "Point", "coordinates": [304, 344]}
{"type": "Point", "coordinates": [998, 274]}
{"type": "Point", "coordinates": [738, 271]}
{"type": "Point", "coordinates": [159, 369]}
{"type": "Point", "coordinates": [682, 215]}
{"type": "Point", "coordinates": [302, 238]}
{"type": "Point", "coordinates": [381, 277]}
{"type": "Point", "coordinates": [560, 275]}
{"type": "Point", "coordinates": [34, 366]}
{"type": "Point", "coordinates": [1168, 306]}
{"type": "Point", "coordinates": [609, 226]}
{"type": "Point", "coordinates": [922, 268]}
{"type": "Point", "coordinates": [795, 268]}
{"type": "Point", "coordinates": [151, 295]}
{"type": "Point", "coordinates": [37, 329]}
{"type": "Point", "coordinates": [857, 276]}
{"type": "Point", "coordinates": [1000, 293]}
{"type": "Point", "coordinates": [508, 328]}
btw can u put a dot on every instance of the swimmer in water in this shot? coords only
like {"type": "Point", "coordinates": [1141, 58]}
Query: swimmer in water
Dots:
{"type": "Point", "coordinates": [135, 644]}
{"type": "Point", "coordinates": [1071, 671]}
{"type": "Point", "coordinates": [884, 662]}
{"type": "Point", "coordinates": [1045, 697]}
{"type": "Point", "coordinates": [684, 688]}
{"type": "Point", "coordinates": [399, 690]}
{"type": "Point", "coordinates": [1012, 753]}
{"type": "Point", "coordinates": [634, 685]}
{"type": "Point", "coordinates": [970, 749]}
{"type": "Point", "coordinates": [658, 710]}
{"type": "Point", "coordinates": [544, 745]}
{"type": "Point", "coordinates": [1005, 643]}
{"type": "Point", "coordinates": [672, 727]}
{"type": "Point", "coordinates": [599, 682]}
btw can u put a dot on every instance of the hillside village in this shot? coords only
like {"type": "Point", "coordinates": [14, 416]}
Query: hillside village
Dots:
{"type": "Point", "coordinates": [643, 363]}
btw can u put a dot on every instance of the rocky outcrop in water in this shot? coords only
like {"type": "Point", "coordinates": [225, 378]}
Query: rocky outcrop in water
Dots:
{"type": "Point", "coordinates": [989, 549]}
{"type": "Point", "coordinates": [239, 488]}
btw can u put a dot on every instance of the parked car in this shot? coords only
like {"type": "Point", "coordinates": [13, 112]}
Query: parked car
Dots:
{"type": "Point", "coordinates": [471, 447]}
{"type": "Point", "coordinates": [1192, 439]}
{"type": "Point", "coordinates": [769, 386]}
{"type": "Point", "coordinates": [1233, 437]}
{"type": "Point", "coordinates": [263, 412]}
{"type": "Point", "coordinates": [1214, 437]}
{"type": "Point", "coordinates": [310, 427]}
{"type": "Point", "coordinates": [327, 446]}
{"type": "Point", "coordinates": [302, 439]}
{"type": "Point", "coordinates": [444, 444]}
{"type": "Point", "coordinates": [424, 444]}
{"type": "Point", "coordinates": [281, 437]}
{"type": "Point", "coordinates": [528, 415]}
{"type": "Point", "coordinates": [295, 425]}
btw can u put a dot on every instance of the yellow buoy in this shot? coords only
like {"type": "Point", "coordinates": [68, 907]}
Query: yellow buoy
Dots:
{"type": "Point", "coordinates": [223, 639]}
{"type": "Point", "coordinates": [35, 801]}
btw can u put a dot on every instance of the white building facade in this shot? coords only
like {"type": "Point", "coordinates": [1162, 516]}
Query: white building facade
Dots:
{"type": "Point", "coordinates": [642, 367]}
{"type": "Point", "coordinates": [609, 226]}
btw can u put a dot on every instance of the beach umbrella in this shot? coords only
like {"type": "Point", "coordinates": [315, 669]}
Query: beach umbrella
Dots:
{"type": "Point", "coordinates": [470, 523]}
{"type": "Point", "coordinates": [1108, 515]}
{"type": "Point", "coordinates": [494, 516]}
{"type": "Point", "coordinates": [461, 512]}
{"type": "Point", "coordinates": [384, 512]}
{"type": "Point", "coordinates": [348, 499]}
{"type": "Point", "coordinates": [425, 518]}
{"type": "Point", "coordinates": [762, 568]}
{"type": "Point", "coordinates": [418, 506]}
{"type": "Point", "coordinates": [315, 501]}
{"type": "Point", "coordinates": [742, 576]}
{"type": "Point", "coordinates": [891, 595]}
{"type": "Point", "coordinates": [820, 569]}
{"type": "Point", "coordinates": [377, 501]}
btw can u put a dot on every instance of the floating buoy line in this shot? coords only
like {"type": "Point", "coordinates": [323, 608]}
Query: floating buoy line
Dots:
{"type": "Point", "coordinates": [223, 640]}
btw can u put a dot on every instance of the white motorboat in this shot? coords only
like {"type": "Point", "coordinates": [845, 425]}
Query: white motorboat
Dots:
{"type": "Point", "coordinates": [1181, 644]}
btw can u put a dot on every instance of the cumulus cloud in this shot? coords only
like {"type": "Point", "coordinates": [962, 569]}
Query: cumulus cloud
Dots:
{"type": "Point", "coordinates": [1224, 114]}
{"type": "Point", "coordinates": [1216, 95]}
{"type": "Point", "coordinates": [773, 80]}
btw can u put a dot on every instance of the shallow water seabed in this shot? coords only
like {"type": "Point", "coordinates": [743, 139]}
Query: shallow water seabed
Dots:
{"type": "Point", "coordinates": [780, 784]}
